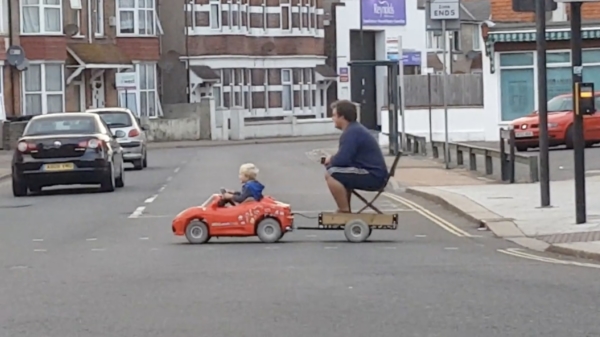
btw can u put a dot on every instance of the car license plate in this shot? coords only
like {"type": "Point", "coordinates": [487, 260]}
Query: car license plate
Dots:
{"type": "Point", "coordinates": [59, 167]}
{"type": "Point", "coordinates": [524, 134]}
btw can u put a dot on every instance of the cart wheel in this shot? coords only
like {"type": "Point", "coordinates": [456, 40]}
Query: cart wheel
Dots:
{"type": "Point", "coordinates": [269, 230]}
{"type": "Point", "coordinates": [357, 230]}
{"type": "Point", "coordinates": [197, 232]}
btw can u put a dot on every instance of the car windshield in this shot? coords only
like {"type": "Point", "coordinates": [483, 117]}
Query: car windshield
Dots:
{"type": "Point", "coordinates": [116, 119]}
{"type": "Point", "coordinates": [62, 125]}
{"type": "Point", "coordinates": [560, 103]}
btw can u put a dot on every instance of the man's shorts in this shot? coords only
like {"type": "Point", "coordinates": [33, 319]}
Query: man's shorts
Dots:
{"type": "Point", "coordinates": [356, 179]}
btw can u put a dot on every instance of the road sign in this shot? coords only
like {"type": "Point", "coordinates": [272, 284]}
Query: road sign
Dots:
{"type": "Point", "coordinates": [447, 10]}
{"type": "Point", "coordinates": [436, 25]}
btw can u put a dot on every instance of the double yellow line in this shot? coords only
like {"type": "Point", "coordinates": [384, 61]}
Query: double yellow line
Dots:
{"type": "Point", "coordinates": [429, 215]}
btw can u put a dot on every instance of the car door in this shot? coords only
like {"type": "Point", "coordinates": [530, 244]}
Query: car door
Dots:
{"type": "Point", "coordinates": [591, 123]}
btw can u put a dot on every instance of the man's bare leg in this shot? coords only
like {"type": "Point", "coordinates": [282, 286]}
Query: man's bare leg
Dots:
{"type": "Point", "coordinates": [339, 193]}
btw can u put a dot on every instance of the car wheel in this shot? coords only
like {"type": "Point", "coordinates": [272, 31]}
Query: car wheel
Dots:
{"type": "Point", "coordinates": [120, 181]}
{"type": "Point", "coordinates": [196, 232]}
{"type": "Point", "coordinates": [569, 137]}
{"type": "Point", "coordinates": [145, 161]}
{"type": "Point", "coordinates": [19, 188]}
{"type": "Point", "coordinates": [269, 230]}
{"type": "Point", "coordinates": [138, 164]}
{"type": "Point", "coordinates": [108, 181]}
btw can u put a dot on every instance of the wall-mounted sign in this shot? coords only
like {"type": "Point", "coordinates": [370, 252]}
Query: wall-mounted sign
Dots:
{"type": "Point", "coordinates": [383, 12]}
{"type": "Point", "coordinates": [344, 74]}
{"type": "Point", "coordinates": [409, 57]}
{"type": "Point", "coordinates": [124, 81]}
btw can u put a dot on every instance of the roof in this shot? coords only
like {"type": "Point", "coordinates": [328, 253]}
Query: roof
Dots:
{"type": "Point", "coordinates": [99, 53]}
{"type": "Point", "coordinates": [530, 26]}
{"type": "Point", "coordinates": [326, 71]}
{"type": "Point", "coordinates": [63, 114]}
{"type": "Point", "coordinates": [107, 110]}
{"type": "Point", "coordinates": [206, 73]}
{"type": "Point", "coordinates": [478, 10]}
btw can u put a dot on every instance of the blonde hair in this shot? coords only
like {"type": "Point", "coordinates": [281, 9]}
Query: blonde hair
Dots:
{"type": "Point", "coordinates": [249, 170]}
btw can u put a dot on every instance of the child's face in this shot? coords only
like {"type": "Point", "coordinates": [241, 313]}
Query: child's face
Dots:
{"type": "Point", "coordinates": [243, 178]}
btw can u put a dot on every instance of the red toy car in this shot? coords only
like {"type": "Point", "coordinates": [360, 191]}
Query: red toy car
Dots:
{"type": "Point", "coordinates": [268, 219]}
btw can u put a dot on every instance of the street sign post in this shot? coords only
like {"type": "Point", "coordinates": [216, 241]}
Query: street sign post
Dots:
{"type": "Point", "coordinates": [444, 11]}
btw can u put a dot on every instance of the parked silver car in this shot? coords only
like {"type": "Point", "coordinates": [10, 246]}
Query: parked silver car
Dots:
{"type": "Point", "coordinates": [129, 132]}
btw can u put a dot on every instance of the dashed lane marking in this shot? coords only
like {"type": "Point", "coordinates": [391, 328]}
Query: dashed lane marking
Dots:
{"type": "Point", "coordinates": [138, 212]}
{"type": "Point", "coordinates": [144, 238]}
{"type": "Point", "coordinates": [151, 199]}
{"type": "Point", "coordinates": [91, 239]}
{"type": "Point", "coordinates": [38, 240]}
{"type": "Point", "coordinates": [40, 250]}
{"type": "Point", "coordinates": [429, 215]}
{"type": "Point", "coordinates": [98, 249]}
{"type": "Point", "coordinates": [176, 170]}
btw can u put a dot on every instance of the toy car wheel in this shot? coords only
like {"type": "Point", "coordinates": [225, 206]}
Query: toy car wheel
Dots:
{"type": "Point", "coordinates": [269, 230]}
{"type": "Point", "coordinates": [356, 230]}
{"type": "Point", "coordinates": [197, 232]}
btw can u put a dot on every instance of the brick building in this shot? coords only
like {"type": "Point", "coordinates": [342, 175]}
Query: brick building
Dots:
{"type": "Point", "coordinates": [75, 48]}
{"type": "Point", "coordinates": [509, 64]}
{"type": "Point", "coordinates": [265, 56]}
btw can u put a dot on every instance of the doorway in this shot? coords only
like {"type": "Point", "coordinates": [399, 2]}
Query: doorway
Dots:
{"type": "Point", "coordinates": [368, 98]}
{"type": "Point", "coordinates": [79, 96]}
{"type": "Point", "coordinates": [98, 99]}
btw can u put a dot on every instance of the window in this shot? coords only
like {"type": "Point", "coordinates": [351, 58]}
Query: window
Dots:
{"type": "Point", "coordinates": [286, 16]}
{"type": "Point", "coordinates": [591, 67]}
{"type": "Point", "coordinates": [237, 84]}
{"type": "Point", "coordinates": [99, 13]}
{"type": "Point", "coordinates": [215, 14]}
{"type": "Point", "coordinates": [145, 95]}
{"type": "Point", "coordinates": [476, 38]}
{"type": "Point", "coordinates": [456, 45]}
{"type": "Point", "coordinates": [2, 107]}
{"type": "Point", "coordinates": [313, 8]}
{"type": "Point", "coordinates": [238, 13]}
{"type": "Point", "coordinates": [217, 92]}
{"type": "Point", "coordinates": [264, 16]}
{"type": "Point", "coordinates": [230, 15]}
{"type": "Point", "coordinates": [136, 17]}
{"type": "Point", "coordinates": [43, 89]}
{"type": "Point", "coordinates": [147, 83]}
{"type": "Point", "coordinates": [516, 85]}
{"type": "Point", "coordinates": [286, 89]}
{"type": "Point", "coordinates": [433, 41]}
{"type": "Point", "coordinates": [41, 17]}
{"type": "Point", "coordinates": [76, 15]}
{"type": "Point", "coordinates": [558, 73]}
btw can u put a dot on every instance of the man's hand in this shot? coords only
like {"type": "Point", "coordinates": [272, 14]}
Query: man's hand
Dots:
{"type": "Point", "coordinates": [227, 196]}
{"type": "Point", "coordinates": [327, 160]}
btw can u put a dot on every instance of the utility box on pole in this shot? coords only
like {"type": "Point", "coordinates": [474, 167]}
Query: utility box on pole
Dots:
{"type": "Point", "coordinates": [528, 6]}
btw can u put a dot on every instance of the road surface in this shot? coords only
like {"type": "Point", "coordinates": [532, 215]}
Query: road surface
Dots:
{"type": "Point", "coordinates": [79, 263]}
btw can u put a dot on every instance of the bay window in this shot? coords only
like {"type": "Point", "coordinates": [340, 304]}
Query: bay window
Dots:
{"type": "Point", "coordinates": [43, 89]}
{"type": "Point", "coordinates": [143, 100]}
{"type": "Point", "coordinates": [41, 17]}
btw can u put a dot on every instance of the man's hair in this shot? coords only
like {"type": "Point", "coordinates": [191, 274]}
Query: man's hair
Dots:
{"type": "Point", "coordinates": [249, 170]}
{"type": "Point", "coordinates": [346, 109]}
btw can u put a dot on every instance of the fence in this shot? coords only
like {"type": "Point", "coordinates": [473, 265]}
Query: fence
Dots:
{"type": "Point", "coordinates": [461, 90]}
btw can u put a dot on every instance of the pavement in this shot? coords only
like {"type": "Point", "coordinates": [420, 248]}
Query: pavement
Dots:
{"type": "Point", "coordinates": [74, 262]}
{"type": "Point", "coordinates": [561, 161]}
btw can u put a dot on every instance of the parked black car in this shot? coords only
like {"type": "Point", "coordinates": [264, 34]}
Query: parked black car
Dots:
{"type": "Point", "coordinates": [66, 149]}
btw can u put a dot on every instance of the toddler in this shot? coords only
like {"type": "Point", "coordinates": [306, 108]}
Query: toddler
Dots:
{"type": "Point", "coordinates": [251, 188]}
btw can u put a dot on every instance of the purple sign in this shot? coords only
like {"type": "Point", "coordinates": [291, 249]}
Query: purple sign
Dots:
{"type": "Point", "coordinates": [383, 12]}
{"type": "Point", "coordinates": [409, 58]}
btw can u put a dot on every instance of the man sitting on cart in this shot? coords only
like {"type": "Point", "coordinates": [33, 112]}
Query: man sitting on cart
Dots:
{"type": "Point", "coordinates": [358, 163]}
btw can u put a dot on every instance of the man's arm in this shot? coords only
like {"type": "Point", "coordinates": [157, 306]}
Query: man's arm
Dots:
{"type": "Point", "coordinates": [346, 152]}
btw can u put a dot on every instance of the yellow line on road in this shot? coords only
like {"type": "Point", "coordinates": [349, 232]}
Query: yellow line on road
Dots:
{"type": "Point", "coordinates": [517, 252]}
{"type": "Point", "coordinates": [429, 215]}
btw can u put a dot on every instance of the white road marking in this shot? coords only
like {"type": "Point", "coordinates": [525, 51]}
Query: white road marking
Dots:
{"type": "Point", "coordinates": [152, 216]}
{"type": "Point", "coordinates": [451, 248]}
{"type": "Point", "coordinates": [151, 199]}
{"type": "Point", "coordinates": [169, 179]}
{"type": "Point", "coordinates": [271, 247]}
{"type": "Point", "coordinates": [91, 239]}
{"type": "Point", "coordinates": [144, 238]}
{"type": "Point", "coordinates": [390, 247]}
{"type": "Point", "coordinates": [330, 247]}
{"type": "Point", "coordinates": [98, 249]}
{"type": "Point", "coordinates": [40, 250]}
{"type": "Point", "coordinates": [311, 236]}
{"type": "Point", "coordinates": [429, 215]}
{"type": "Point", "coordinates": [162, 188]}
{"type": "Point", "coordinates": [37, 240]}
{"type": "Point", "coordinates": [176, 170]}
{"type": "Point", "coordinates": [517, 252]}
{"type": "Point", "coordinates": [384, 210]}
{"type": "Point", "coordinates": [138, 211]}
{"type": "Point", "coordinates": [420, 236]}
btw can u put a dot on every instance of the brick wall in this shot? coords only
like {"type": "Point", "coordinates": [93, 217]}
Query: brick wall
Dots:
{"type": "Point", "coordinates": [502, 12]}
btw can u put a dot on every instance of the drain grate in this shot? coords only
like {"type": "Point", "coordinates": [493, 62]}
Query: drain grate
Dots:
{"type": "Point", "coordinates": [571, 237]}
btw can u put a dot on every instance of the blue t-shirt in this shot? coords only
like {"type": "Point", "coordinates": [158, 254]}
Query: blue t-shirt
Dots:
{"type": "Point", "coordinates": [358, 148]}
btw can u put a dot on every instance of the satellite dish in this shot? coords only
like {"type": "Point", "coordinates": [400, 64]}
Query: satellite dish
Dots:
{"type": "Point", "coordinates": [71, 29]}
{"type": "Point", "coordinates": [168, 60]}
{"type": "Point", "coordinates": [23, 65]}
{"type": "Point", "coordinates": [15, 55]}
{"type": "Point", "coordinates": [267, 47]}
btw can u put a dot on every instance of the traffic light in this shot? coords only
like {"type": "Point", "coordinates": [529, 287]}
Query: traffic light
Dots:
{"type": "Point", "coordinates": [528, 6]}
